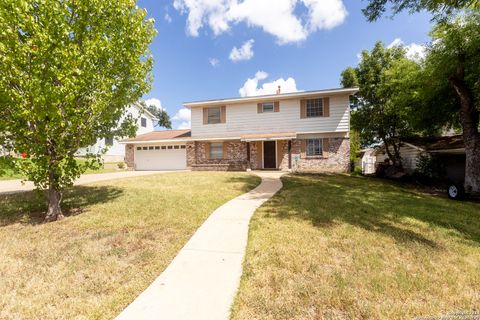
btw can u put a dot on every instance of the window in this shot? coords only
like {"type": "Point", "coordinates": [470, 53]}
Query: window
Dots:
{"type": "Point", "coordinates": [314, 108]}
{"type": "Point", "coordinates": [213, 115]}
{"type": "Point", "coordinates": [170, 147]}
{"type": "Point", "coordinates": [139, 148]}
{"type": "Point", "coordinates": [164, 147]}
{"type": "Point", "coordinates": [109, 142]}
{"type": "Point", "coordinates": [267, 107]}
{"type": "Point", "coordinates": [182, 147]}
{"type": "Point", "coordinates": [145, 148]}
{"type": "Point", "coordinates": [143, 122]}
{"type": "Point", "coordinates": [176, 147]}
{"type": "Point", "coordinates": [150, 148]}
{"type": "Point", "coordinates": [157, 147]}
{"type": "Point", "coordinates": [216, 150]}
{"type": "Point", "coordinates": [314, 147]}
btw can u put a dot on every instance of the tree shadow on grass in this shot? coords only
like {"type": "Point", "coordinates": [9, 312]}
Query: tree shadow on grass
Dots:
{"type": "Point", "coordinates": [248, 181]}
{"type": "Point", "coordinates": [30, 207]}
{"type": "Point", "coordinates": [383, 206]}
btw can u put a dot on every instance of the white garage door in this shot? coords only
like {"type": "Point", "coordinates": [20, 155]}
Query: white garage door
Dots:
{"type": "Point", "coordinates": [172, 157]}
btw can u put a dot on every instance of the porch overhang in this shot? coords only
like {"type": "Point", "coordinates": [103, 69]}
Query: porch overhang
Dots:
{"type": "Point", "coordinates": [268, 136]}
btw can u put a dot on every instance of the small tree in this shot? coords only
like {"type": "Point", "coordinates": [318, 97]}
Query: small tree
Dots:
{"type": "Point", "coordinates": [378, 117]}
{"type": "Point", "coordinates": [69, 69]}
{"type": "Point", "coordinates": [162, 116]}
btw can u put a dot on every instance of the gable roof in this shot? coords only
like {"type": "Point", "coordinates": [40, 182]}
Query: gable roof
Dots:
{"type": "Point", "coordinates": [437, 143]}
{"type": "Point", "coordinates": [163, 136]}
{"type": "Point", "coordinates": [144, 111]}
{"type": "Point", "coordinates": [281, 96]}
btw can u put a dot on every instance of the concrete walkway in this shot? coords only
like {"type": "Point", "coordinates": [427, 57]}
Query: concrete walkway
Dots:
{"type": "Point", "coordinates": [12, 186]}
{"type": "Point", "coordinates": [201, 281]}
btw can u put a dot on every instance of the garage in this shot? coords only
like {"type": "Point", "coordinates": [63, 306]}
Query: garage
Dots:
{"type": "Point", "coordinates": [161, 157]}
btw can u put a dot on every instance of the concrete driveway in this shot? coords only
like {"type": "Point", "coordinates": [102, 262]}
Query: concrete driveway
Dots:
{"type": "Point", "coordinates": [12, 186]}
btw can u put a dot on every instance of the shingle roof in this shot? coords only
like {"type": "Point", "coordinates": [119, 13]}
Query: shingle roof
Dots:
{"type": "Point", "coordinates": [161, 135]}
{"type": "Point", "coordinates": [437, 143]}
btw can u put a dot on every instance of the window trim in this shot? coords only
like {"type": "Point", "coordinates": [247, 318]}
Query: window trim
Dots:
{"type": "Point", "coordinates": [321, 110]}
{"type": "Point", "coordinates": [219, 115]}
{"type": "Point", "coordinates": [320, 147]}
{"type": "Point", "coordinates": [218, 144]}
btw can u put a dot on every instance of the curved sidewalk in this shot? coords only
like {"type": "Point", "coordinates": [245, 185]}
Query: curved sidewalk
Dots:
{"type": "Point", "coordinates": [201, 281]}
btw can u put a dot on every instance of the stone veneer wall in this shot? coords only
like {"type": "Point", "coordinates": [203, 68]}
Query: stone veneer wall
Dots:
{"type": "Point", "coordinates": [130, 156]}
{"type": "Point", "coordinates": [338, 159]}
{"type": "Point", "coordinates": [235, 157]}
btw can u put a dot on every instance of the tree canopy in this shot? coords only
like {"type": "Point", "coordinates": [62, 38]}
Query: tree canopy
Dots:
{"type": "Point", "coordinates": [69, 69]}
{"type": "Point", "coordinates": [163, 119]}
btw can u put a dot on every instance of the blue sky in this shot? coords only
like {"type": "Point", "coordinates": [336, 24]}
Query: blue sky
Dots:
{"type": "Point", "coordinates": [310, 47]}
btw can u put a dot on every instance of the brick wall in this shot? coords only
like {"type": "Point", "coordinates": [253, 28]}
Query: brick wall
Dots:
{"type": "Point", "coordinates": [338, 159]}
{"type": "Point", "coordinates": [235, 157]}
{"type": "Point", "coordinates": [130, 156]}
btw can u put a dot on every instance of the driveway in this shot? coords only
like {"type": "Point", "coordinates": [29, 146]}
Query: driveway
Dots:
{"type": "Point", "coordinates": [201, 281]}
{"type": "Point", "coordinates": [12, 186]}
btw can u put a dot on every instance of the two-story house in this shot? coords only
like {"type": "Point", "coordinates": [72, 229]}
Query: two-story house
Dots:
{"type": "Point", "coordinates": [115, 150]}
{"type": "Point", "coordinates": [302, 131]}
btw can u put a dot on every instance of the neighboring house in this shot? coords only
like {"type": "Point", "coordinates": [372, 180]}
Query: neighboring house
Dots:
{"type": "Point", "coordinates": [448, 149]}
{"type": "Point", "coordinates": [302, 131]}
{"type": "Point", "coordinates": [116, 151]}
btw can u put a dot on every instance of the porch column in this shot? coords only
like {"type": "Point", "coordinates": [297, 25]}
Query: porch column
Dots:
{"type": "Point", "coordinates": [289, 154]}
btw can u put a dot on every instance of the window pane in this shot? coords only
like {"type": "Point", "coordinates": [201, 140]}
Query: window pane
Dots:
{"type": "Point", "coordinates": [216, 150]}
{"type": "Point", "coordinates": [143, 122]}
{"type": "Point", "coordinates": [314, 147]}
{"type": "Point", "coordinates": [315, 108]}
{"type": "Point", "coordinates": [213, 115]}
{"type": "Point", "coordinates": [109, 142]}
{"type": "Point", "coordinates": [267, 107]}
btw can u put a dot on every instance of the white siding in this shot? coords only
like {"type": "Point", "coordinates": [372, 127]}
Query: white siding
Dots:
{"type": "Point", "coordinates": [117, 149]}
{"type": "Point", "coordinates": [244, 119]}
{"type": "Point", "coordinates": [409, 157]}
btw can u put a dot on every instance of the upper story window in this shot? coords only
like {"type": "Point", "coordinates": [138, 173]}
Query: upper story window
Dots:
{"type": "Point", "coordinates": [267, 107]}
{"type": "Point", "coordinates": [109, 142]}
{"type": "Point", "coordinates": [216, 150]}
{"type": "Point", "coordinates": [213, 115]}
{"type": "Point", "coordinates": [314, 147]}
{"type": "Point", "coordinates": [314, 108]}
{"type": "Point", "coordinates": [143, 122]}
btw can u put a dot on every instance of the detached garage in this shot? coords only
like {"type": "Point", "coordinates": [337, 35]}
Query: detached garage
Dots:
{"type": "Point", "coordinates": [160, 150]}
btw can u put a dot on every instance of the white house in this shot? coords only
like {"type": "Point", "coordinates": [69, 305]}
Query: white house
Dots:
{"type": "Point", "coordinates": [303, 131]}
{"type": "Point", "coordinates": [116, 151]}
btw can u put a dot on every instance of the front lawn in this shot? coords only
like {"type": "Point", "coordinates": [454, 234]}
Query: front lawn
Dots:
{"type": "Point", "coordinates": [117, 237]}
{"type": "Point", "coordinates": [7, 172]}
{"type": "Point", "coordinates": [340, 247]}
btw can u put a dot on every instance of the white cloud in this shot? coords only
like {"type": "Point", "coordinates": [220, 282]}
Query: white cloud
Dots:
{"type": "Point", "coordinates": [251, 88]}
{"type": "Point", "coordinates": [167, 17]}
{"type": "Point", "coordinates": [157, 103]}
{"type": "Point", "coordinates": [213, 62]}
{"type": "Point", "coordinates": [183, 118]}
{"type": "Point", "coordinates": [245, 52]}
{"type": "Point", "coordinates": [279, 18]}
{"type": "Point", "coordinates": [414, 51]}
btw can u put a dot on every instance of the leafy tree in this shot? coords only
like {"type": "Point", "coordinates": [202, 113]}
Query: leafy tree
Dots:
{"type": "Point", "coordinates": [452, 72]}
{"type": "Point", "coordinates": [441, 8]}
{"type": "Point", "coordinates": [379, 117]}
{"type": "Point", "coordinates": [69, 69]}
{"type": "Point", "coordinates": [161, 115]}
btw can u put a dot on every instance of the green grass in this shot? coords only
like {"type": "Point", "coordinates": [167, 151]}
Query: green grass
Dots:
{"type": "Point", "coordinates": [117, 237]}
{"type": "Point", "coordinates": [341, 247]}
{"type": "Point", "coordinates": [7, 172]}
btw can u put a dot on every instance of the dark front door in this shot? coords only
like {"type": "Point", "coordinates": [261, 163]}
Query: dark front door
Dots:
{"type": "Point", "coordinates": [269, 155]}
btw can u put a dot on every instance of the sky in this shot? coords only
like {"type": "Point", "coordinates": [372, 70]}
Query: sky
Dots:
{"type": "Point", "coordinates": [212, 49]}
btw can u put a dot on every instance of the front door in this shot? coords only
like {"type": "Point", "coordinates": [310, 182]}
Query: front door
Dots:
{"type": "Point", "coordinates": [269, 155]}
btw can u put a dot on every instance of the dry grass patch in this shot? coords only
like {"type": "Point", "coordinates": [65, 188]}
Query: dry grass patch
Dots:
{"type": "Point", "coordinates": [340, 247]}
{"type": "Point", "coordinates": [119, 236]}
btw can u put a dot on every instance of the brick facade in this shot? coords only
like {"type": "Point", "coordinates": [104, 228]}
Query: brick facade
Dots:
{"type": "Point", "coordinates": [130, 156]}
{"type": "Point", "coordinates": [235, 157]}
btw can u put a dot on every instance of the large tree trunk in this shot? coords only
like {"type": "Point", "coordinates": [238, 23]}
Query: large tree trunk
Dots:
{"type": "Point", "coordinates": [469, 118]}
{"type": "Point", "coordinates": [54, 211]}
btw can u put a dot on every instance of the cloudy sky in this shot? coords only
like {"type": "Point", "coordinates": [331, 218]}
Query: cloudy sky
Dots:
{"type": "Point", "coordinates": [207, 49]}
